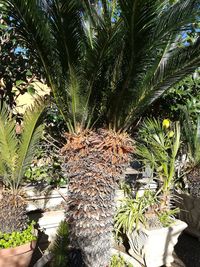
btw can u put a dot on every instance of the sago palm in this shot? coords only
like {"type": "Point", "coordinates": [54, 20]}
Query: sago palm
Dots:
{"type": "Point", "coordinates": [16, 154]}
{"type": "Point", "coordinates": [106, 61]}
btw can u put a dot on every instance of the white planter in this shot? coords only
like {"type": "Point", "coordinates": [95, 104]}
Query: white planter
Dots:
{"type": "Point", "coordinates": [48, 222]}
{"type": "Point", "coordinates": [46, 198]}
{"type": "Point", "coordinates": [154, 248]}
{"type": "Point", "coordinates": [190, 213]}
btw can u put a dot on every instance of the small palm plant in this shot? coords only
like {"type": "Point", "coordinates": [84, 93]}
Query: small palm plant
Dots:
{"type": "Point", "coordinates": [158, 147]}
{"type": "Point", "coordinates": [58, 250]}
{"type": "Point", "coordinates": [16, 154]}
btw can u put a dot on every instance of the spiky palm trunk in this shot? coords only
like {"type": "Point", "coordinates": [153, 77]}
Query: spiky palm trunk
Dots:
{"type": "Point", "coordinates": [13, 213]}
{"type": "Point", "coordinates": [194, 181]}
{"type": "Point", "coordinates": [94, 162]}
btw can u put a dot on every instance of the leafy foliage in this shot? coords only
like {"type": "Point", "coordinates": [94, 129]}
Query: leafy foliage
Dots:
{"type": "Point", "coordinates": [142, 210]}
{"type": "Point", "coordinates": [17, 238]}
{"type": "Point", "coordinates": [60, 246]}
{"type": "Point", "coordinates": [132, 212]}
{"type": "Point", "coordinates": [105, 61]}
{"type": "Point", "coordinates": [118, 261]}
{"type": "Point", "coordinates": [157, 146]}
{"type": "Point", "coordinates": [185, 93]}
{"type": "Point", "coordinates": [167, 217]}
{"type": "Point", "coordinates": [17, 65]}
{"type": "Point", "coordinates": [95, 77]}
{"type": "Point", "coordinates": [16, 152]}
{"type": "Point", "coordinates": [46, 166]}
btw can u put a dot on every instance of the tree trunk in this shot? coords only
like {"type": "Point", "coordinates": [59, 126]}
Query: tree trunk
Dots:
{"type": "Point", "coordinates": [94, 163]}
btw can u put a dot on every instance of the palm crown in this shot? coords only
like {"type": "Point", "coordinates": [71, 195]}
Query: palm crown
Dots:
{"type": "Point", "coordinates": [107, 60]}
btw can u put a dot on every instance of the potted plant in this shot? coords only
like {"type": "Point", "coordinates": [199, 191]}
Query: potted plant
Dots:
{"type": "Point", "coordinates": [157, 146]}
{"type": "Point", "coordinates": [152, 232]}
{"type": "Point", "coordinates": [148, 219]}
{"type": "Point", "coordinates": [17, 239]}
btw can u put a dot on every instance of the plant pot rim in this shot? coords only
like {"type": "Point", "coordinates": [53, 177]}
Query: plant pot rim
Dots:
{"type": "Point", "coordinates": [20, 247]}
{"type": "Point", "coordinates": [144, 229]}
{"type": "Point", "coordinates": [10, 252]}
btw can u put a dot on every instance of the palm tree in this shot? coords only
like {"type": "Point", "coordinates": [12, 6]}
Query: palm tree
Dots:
{"type": "Point", "coordinates": [106, 62]}
{"type": "Point", "coordinates": [16, 154]}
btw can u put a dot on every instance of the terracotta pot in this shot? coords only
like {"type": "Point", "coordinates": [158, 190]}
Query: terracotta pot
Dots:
{"type": "Point", "coordinates": [17, 257]}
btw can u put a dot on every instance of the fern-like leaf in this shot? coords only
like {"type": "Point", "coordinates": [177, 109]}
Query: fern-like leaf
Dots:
{"type": "Point", "coordinates": [60, 246]}
{"type": "Point", "coordinates": [8, 144]}
{"type": "Point", "coordinates": [30, 138]}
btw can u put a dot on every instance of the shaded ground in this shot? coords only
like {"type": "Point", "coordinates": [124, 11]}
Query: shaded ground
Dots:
{"type": "Point", "coordinates": [187, 251]}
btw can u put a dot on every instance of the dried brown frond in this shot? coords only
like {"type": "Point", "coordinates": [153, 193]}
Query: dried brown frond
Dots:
{"type": "Point", "coordinates": [114, 147]}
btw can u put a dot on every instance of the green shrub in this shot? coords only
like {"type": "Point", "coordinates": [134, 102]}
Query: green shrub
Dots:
{"type": "Point", "coordinates": [17, 238]}
{"type": "Point", "coordinates": [143, 210]}
{"type": "Point", "coordinates": [59, 249]}
{"type": "Point", "coordinates": [118, 261]}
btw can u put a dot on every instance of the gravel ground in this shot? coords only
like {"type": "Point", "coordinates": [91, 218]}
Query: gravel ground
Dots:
{"type": "Point", "coordinates": [187, 252]}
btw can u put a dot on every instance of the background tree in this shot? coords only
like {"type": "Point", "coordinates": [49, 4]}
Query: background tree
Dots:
{"type": "Point", "coordinates": [17, 70]}
{"type": "Point", "coordinates": [185, 93]}
{"type": "Point", "coordinates": [106, 62]}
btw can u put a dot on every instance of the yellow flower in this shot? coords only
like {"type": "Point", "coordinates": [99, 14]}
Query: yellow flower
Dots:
{"type": "Point", "coordinates": [171, 134]}
{"type": "Point", "coordinates": [166, 123]}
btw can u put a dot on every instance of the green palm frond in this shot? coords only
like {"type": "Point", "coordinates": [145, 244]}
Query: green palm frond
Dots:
{"type": "Point", "coordinates": [146, 155]}
{"type": "Point", "coordinates": [177, 16]}
{"type": "Point", "coordinates": [33, 28]}
{"type": "Point", "coordinates": [8, 142]}
{"type": "Point", "coordinates": [49, 30]}
{"type": "Point", "coordinates": [157, 62]}
{"type": "Point", "coordinates": [60, 246]}
{"type": "Point", "coordinates": [98, 66]}
{"type": "Point", "coordinates": [30, 137]}
{"type": "Point", "coordinates": [67, 30]}
{"type": "Point", "coordinates": [107, 60]}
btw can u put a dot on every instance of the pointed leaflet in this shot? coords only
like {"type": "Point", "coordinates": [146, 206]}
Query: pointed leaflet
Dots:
{"type": "Point", "coordinates": [31, 135]}
{"type": "Point", "coordinates": [8, 141]}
